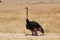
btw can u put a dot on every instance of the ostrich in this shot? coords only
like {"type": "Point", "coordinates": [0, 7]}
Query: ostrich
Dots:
{"type": "Point", "coordinates": [33, 26]}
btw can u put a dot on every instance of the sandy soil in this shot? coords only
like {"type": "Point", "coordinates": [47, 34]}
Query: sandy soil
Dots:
{"type": "Point", "coordinates": [23, 37]}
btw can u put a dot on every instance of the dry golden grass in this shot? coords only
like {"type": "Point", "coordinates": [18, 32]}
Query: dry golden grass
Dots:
{"type": "Point", "coordinates": [12, 17]}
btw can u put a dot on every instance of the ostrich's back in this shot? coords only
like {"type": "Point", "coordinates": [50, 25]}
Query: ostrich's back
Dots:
{"type": "Point", "coordinates": [32, 25]}
{"type": "Point", "coordinates": [35, 24]}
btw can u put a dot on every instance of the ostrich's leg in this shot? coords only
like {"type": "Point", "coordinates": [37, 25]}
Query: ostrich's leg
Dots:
{"type": "Point", "coordinates": [32, 32]}
{"type": "Point", "coordinates": [35, 31]}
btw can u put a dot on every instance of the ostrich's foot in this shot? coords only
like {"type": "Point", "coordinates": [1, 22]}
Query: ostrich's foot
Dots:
{"type": "Point", "coordinates": [34, 34]}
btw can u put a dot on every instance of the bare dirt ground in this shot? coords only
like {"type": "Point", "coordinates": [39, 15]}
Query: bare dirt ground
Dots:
{"type": "Point", "coordinates": [29, 37]}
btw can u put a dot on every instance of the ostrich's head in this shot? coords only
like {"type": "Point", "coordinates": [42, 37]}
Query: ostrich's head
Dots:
{"type": "Point", "coordinates": [0, 1]}
{"type": "Point", "coordinates": [26, 7]}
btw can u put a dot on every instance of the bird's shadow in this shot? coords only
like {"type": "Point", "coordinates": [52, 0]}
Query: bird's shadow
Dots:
{"type": "Point", "coordinates": [34, 35]}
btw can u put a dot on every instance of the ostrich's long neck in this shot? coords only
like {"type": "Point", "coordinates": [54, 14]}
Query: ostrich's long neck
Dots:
{"type": "Point", "coordinates": [27, 21]}
{"type": "Point", "coordinates": [26, 12]}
